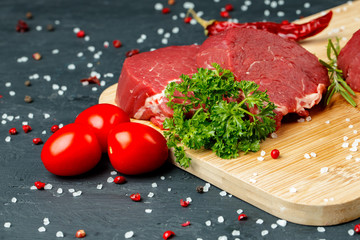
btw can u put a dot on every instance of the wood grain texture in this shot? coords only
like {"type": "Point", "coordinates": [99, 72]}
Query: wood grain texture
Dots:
{"type": "Point", "coordinates": [294, 187]}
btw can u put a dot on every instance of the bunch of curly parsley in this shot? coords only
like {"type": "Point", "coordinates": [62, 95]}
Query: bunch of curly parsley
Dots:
{"type": "Point", "coordinates": [221, 116]}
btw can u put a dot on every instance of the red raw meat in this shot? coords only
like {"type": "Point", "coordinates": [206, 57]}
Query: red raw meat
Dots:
{"type": "Point", "coordinates": [349, 61]}
{"type": "Point", "coordinates": [292, 76]}
{"type": "Point", "coordinates": [143, 79]}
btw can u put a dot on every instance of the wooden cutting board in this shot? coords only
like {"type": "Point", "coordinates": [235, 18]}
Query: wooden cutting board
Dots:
{"type": "Point", "coordinates": [321, 190]}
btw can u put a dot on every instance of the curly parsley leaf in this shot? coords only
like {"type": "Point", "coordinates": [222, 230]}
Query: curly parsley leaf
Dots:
{"type": "Point", "coordinates": [227, 116]}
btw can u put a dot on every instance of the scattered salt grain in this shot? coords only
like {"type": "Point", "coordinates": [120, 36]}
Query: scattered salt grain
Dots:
{"type": "Point", "coordinates": [22, 59]}
{"type": "Point", "coordinates": [307, 5]}
{"type": "Point", "coordinates": [154, 185]}
{"type": "Point", "coordinates": [14, 200]}
{"type": "Point", "coordinates": [71, 66]}
{"type": "Point", "coordinates": [327, 122]}
{"type": "Point", "coordinates": [357, 159]}
{"type": "Point", "coordinates": [113, 173]}
{"type": "Point", "coordinates": [7, 224]}
{"type": "Point", "coordinates": [8, 84]}
{"type": "Point", "coordinates": [47, 78]}
{"type": "Point", "coordinates": [345, 145]}
{"type": "Point", "coordinates": [150, 195]}
{"type": "Point", "coordinates": [351, 126]}
{"type": "Point", "coordinates": [313, 154]}
{"type": "Point", "coordinates": [193, 21]}
{"type": "Point", "coordinates": [260, 158]}
{"type": "Point", "coordinates": [252, 180]}
{"type": "Point", "coordinates": [46, 115]}
{"type": "Point", "coordinates": [274, 135]}
{"type": "Point", "coordinates": [264, 232]}
{"type": "Point", "coordinates": [259, 221]}
{"type": "Point", "coordinates": [99, 186]}
{"type": "Point", "coordinates": [293, 190]}
{"type": "Point", "coordinates": [12, 93]}
{"type": "Point", "coordinates": [55, 51]}
{"type": "Point", "coordinates": [91, 48]}
{"type": "Point", "coordinates": [353, 149]}
{"type": "Point", "coordinates": [188, 199]}
{"type": "Point", "coordinates": [349, 157]}
{"type": "Point", "coordinates": [266, 13]}
{"type": "Point", "coordinates": [164, 41]}
{"type": "Point", "coordinates": [89, 65]}
{"type": "Point", "coordinates": [274, 225]}
{"type": "Point", "coordinates": [222, 193]}
{"type": "Point", "coordinates": [148, 210]}
{"type": "Point", "coordinates": [25, 123]}
{"type": "Point", "coordinates": [71, 190]}
{"type": "Point", "coordinates": [324, 170]}
{"type": "Point", "coordinates": [76, 194]}
{"type": "Point", "coordinates": [76, 30]}
{"type": "Point", "coordinates": [347, 119]}
{"type": "Point", "coordinates": [42, 229]}
{"type": "Point", "coordinates": [33, 188]}
{"type": "Point", "coordinates": [321, 229]}
{"type": "Point", "coordinates": [222, 238]}
{"type": "Point", "coordinates": [188, 5]}
{"type": "Point", "coordinates": [281, 222]}
{"type": "Point", "coordinates": [162, 177]}
{"type": "Point", "coordinates": [355, 131]}
{"type": "Point", "coordinates": [300, 120]}
{"type": "Point", "coordinates": [273, 4]}
{"type": "Point", "coordinates": [206, 187]}
{"type": "Point", "coordinates": [3, 122]}
{"type": "Point", "coordinates": [110, 179]}
{"type": "Point", "coordinates": [307, 156]}
{"type": "Point", "coordinates": [129, 234]}
{"type": "Point", "coordinates": [351, 232]}
{"type": "Point", "coordinates": [262, 153]}
{"type": "Point", "coordinates": [87, 38]}
{"type": "Point", "coordinates": [345, 138]}
{"type": "Point", "coordinates": [46, 221]}
{"type": "Point", "coordinates": [59, 234]}
{"type": "Point", "coordinates": [169, 189]}
{"type": "Point", "coordinates": [8, 139]}
{"type": "Point", "coordinates": [282, 14]}
{"type": "Point", "coordinates": [220, 219]}
{"type": "Point", "coordinates": [60, 191]}
{"type": "Point", "coordinates": [235, 233]}
{"type": "Point", "coordinates": [175, 30]}
{"type": "Point", "coordinates": [61, 92]}
{"type": "Point", "coordinates": [48, 186]}
{"type": "Point", "coordinates": [158, 6]}
{"type": "Point", "coordinates": [208, 223]}
{"type": "Point", "coordinates": [94, 89]}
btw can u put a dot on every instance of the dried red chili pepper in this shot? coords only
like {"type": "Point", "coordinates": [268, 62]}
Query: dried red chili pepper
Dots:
{"type": "Point", "coordinates": [120, 180]}
{"type": "Point", "coordinates": [117, 43]}
{"type": "Point", "coordinates": [184, 203]}
{"type": "Point", "coordinates": [135, 197]}
{"type": "Point", "coordinates": [132, 52]}
{"type": "Point", "coordinates": [225, 14]}
{"type": "Point", "coordinates": [22, 26]}
{"type": "Point", "coordinates": [37, 141]}
{"type": "Point", "coordinates": [185, 224]}
{"type": "Point", "coordinates": [54, 128]}
{"type": "Point", "coordinates": [80, 34]}
{"type": "Point", "coordinates": [39, 185]}
{"type": "Point", "coordinates": [242, 217]}
{"type": "Point", "coordinates": [284, 29]}
{"type": "Point", "coordinates": [168, 234]}
{"type": "Point", "coordinates": [93, 79]}
{"type": "Point", "coordinates": [187, 19]}
{"type": "Point", "coordinates": [12, 131]}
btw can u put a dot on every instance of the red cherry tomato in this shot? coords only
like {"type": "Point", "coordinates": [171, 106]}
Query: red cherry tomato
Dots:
{"type": "Point", "coordinates": [72, 150]}
{"type": "Point", "coordinates": [102, 118]}
{"type": "Point", "coordinates": [134, 148]}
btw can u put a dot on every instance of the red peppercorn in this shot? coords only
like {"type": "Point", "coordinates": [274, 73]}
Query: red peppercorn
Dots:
{"type": "Point", "coordinates": [132, 52]}
{"type": "Point", "coordinates": [357, 228]}
{"type": "Point", "coordinates": [242, 217]}
{"type": "Point", "coordinates": [187, 19]}
{"type": "Point", "coordinates": [185, 224]}
{"type": "Point", "coordinates": [120, 180]}
{"type": "Point", "coordinates": [80, 34]}
{"type": "Point", "coordinates": [135, 197]}
{"type": "Point", "coordinates": [117, 43]}
{"type": "Point", "coordinates": [36, 56]}
{"type": "Point", "coordinates": [184, 203]}
{"type": "Point", "coordinates": [165, 10]}
{"type": "Point", "coordinates": [224, 14]}
{"type": "Point", "coordinates": [80, 234]}
{"type": "Point", "coordinates": [275, 153]}
{"type": "Point", "coordinates": [229, 7]}
{"type": "Point", "coordinates": [168, 234]}
{"type": "Point", "coordinates": [37, 141]}
{"type": "Point", "coordinates": [12, 131]}
{"type": "Point", "coordinates": [22, 26]}
{"type": "Point", "coordinates": [54, 128]}
{"type": "Point", "coordinates": [39, 185]}
{"type": "Point", "coordinates": [26, 128]}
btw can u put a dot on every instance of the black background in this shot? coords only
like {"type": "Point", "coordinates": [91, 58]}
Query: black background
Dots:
{"type": "Point", "coordinates": [109, 213]}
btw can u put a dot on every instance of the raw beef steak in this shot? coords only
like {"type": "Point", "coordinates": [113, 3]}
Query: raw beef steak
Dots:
{"type": "Point", "coordinates": [349, 61]}
{"type": "Point", "coordinates": [293, 77]}
{"type": "Point", "coordinates": [140, 90]}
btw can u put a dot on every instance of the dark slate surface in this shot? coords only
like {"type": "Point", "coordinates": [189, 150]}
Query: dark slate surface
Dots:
{"type": "Point", "coordinates": [109, 213]}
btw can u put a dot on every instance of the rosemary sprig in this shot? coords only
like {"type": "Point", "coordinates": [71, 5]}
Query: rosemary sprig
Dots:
{"type": "Point", "coordinates": [338, 84]}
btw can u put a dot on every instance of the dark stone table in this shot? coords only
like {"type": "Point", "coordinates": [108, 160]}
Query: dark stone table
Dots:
{"type": "Point", "coordinates": [58, 96]}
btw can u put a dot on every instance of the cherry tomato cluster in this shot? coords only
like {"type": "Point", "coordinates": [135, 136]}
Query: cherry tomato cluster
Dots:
{"type": "Point", "coordinates": [76, 148]}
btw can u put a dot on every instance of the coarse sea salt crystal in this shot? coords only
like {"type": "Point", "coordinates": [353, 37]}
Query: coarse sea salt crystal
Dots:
{"type": "Point", "coordinates": [222, 238]}
{"type": "Point", "coordinates": [321, 229]}
{"type": "Point", "coordinates": [162, 177]}
{"type": "Point", "coordinates": [46, 221]}
{"type": "Point", "coordinates": [307, 156]}
{"type": "Point", "coordinates": [349, 157]}
{"type": "Point", "coordinates": [12, 93]}
{"type": "Point", "coordinates": [351, 232]}
{"type": "Point", "coordinates": [281, 222]}
{"type": "Point", "coordinates": [188, 199]}
{"type": "Point", "coordinates": [175, 30]}
{"type": "Point", "coordinates": [345, 145]}
{"type": "Point", "coordinates": [293, 190]}
{"type": "Point", "coordinates": [351, 126]}
{"type": "Point", "coordinates": [113, 172]}
{"type": "Point", "coordinates": [252, 180]}
{"type": "Point", "coordinates": [307, 5]}
{"type": "Point", "coordinates": [99, 186]}
{"type": "Point", "coordinates": [169, 189]}
{"type": "Point", "coordinates": [148, 210]}
{"type": "Point", "coordinates": [33, 188]}
{"type": "Point", "coordinates": [87, 38]}
{"type": "Point", "coordinates": [7, 224]}
{"type": "Point", "coordinates": [222, 193]}
{"type": "Point", "coordinates": [353, 149]}
{"type": "Point", "coordinates": [8, 84]}
{"type": "Point", "coordinates": [324, 170]}
{"type": "Point", "coordinates": [60, 191]}
{"type": "Point", "coordinates": [313, 154]}
{"type": "Point", "coordinates": [76, 194]}
{"type": "Point", "coordinates": [154, 185]}
{"type": "Point", "coordinates": [158, 6]}
{"type": "Point", "coordinates": [110, 179]}
{"type": "Point", "coordinates": [357, 159]}
{"type": "Point", "coordinates": [264, 232]}
{"type": "Point", "coordinates": [71, 190]}
{"type": "Point", "coordinates": [235, 233]}
{"type": "Point", "coordinates": [91, 48]}
{"type": "Point", "coordinates": [274, 225]}
{"type": "Point", "coordinates": [42, 229]}
{"type": "Point", "coordinates": [300, 120]}
{"type": "Point", "coordinates": [59, 234]}
{"type": "Point", "coordinates": [260, 158]}
{"type": "Point", "coordinates": [150, 195]}
{"type": "Point", "coordinates": [259, 221]}
{"type": "Point", "coordinates": [14, 200]}
{"type": "Point", "coordinates": [71, 66]}
{"type": "Point", "coordinates": [208, 223]}
{"type": "Point", "coordinates": [94, 89]}
{"type": "Point", "coordinates": [282, 14]}
{"type": "Point", "coordinates": [3, 122]}
{"type": "Point", "coordinates": [345, 138]}
{"type": "Point", "coordinates": [262, 153]}
{"type": "Point", "coordinates": [46, 115]}
{"type": "Point", "coordinates": [8, 139]}
{"type": "Point", "coordinates": [220, 219]}
{"type": "Point", "coordinates": [327, 122]}
{"type": "Point", "coordinates": [48, 186]}
{"type": "Point", "coordinates": [129, 234]}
